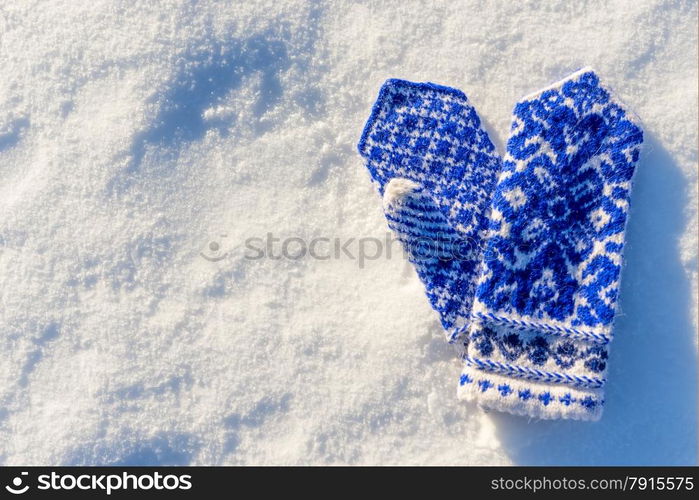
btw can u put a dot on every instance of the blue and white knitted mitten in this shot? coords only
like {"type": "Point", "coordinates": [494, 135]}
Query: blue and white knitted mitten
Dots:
{"type": "Point", "coordinates": [524, 269]}
{"type": "Point", "coordinates": [436, 168]}
{"type": "Point", "coordinates": [549, 283]}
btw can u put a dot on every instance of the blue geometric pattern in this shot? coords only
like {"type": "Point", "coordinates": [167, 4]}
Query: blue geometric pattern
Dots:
{"type": "Point", "coordinates": [542, 351]}
{"type": "Point", "coordinates": [431, 136]}
{"type": "Point", "coordinates": [521, 257]}
{"type": "Point", "coordinates": [444, 261]}
{"type": "Point", "coordinates": [553, 255]}
{"type": "Point", "coordinates": [560, 207]}
{"type": "Point", "coordinates": [587, 403]}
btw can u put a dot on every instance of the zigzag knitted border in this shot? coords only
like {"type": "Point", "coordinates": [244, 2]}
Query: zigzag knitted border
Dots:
{"type": "Point", "coordinates": [528, 373]}
{"type": "Point", "coordinates": [598, 338]}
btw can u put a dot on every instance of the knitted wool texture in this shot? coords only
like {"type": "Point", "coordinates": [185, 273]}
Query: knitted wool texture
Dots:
{"type": "Point", "coordinates": [423, 138]}
{"type": "Point", "coordinates": [528, 289]}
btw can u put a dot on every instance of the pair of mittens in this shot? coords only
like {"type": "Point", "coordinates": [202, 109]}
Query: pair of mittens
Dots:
{"type": "Point", "coordinates": [521, 257]}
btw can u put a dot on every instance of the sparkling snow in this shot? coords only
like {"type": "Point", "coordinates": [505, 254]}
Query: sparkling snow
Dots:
{"type": "Point", "coordinates": [143, 143]}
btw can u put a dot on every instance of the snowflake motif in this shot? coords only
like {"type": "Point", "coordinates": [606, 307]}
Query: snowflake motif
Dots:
{"type": "Point", "coordinates": [568, 168]}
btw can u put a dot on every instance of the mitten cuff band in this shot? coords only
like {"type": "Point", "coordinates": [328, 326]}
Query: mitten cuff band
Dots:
{"type": "Point", "coordinates": [493, 391]}
{"type": "Point", "coordinates": [599, 335]}
{"type": "Point", "coordinates": [545, 367]}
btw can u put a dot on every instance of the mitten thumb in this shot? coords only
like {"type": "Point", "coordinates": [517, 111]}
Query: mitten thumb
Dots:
{"type": "Point", "coordinates": [445, 260]}
{"type": "Point", "coordinates": [420, 226]}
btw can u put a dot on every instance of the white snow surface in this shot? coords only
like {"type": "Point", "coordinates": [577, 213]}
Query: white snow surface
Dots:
{"type": "Point", "coordinates": [135, 136]}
